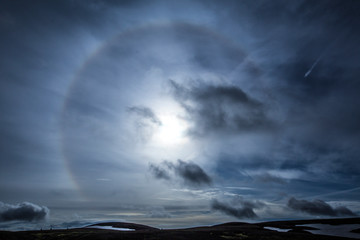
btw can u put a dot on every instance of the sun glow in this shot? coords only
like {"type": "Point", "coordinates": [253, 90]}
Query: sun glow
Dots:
{"type": "Point", "coordinates": [172, 130]}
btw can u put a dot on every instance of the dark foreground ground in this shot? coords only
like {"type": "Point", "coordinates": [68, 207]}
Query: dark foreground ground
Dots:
{"type": "Point", "coordinates": [234, 230]}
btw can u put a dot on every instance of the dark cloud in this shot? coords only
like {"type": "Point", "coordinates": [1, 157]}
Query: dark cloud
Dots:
{"type": "Point", "coordinates": [190, 173]}
{"type": "Point", "coordinates": [158, 172]}
{"type": "Point", "coordinates": [221, 108]}
{"type": "Point", "coordinates": [245, 210]}
{"type": "Point", "coordinates": [145, 113]}
{"type": "Point", "coordinates": [318, 207]}
{"type": "Point", "coordinates": [23, 212]}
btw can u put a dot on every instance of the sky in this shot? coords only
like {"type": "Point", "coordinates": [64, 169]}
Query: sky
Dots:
{"type": "Point", "coordinates": [178, 113]}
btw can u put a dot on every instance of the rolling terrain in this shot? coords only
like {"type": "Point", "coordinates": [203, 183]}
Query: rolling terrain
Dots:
{"type": "Point", "coordinates": [298, 229]}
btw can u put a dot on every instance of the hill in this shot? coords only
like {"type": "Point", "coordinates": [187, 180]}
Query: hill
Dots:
{"type": "Point", "coordinates": [295, 230]}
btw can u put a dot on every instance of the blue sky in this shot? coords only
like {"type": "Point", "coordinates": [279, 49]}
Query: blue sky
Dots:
{"type": "Point", "coordinates": [177, 114]}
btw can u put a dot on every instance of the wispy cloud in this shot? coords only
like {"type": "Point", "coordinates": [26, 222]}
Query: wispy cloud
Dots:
{"type": "Point", "coordinates": [145, 113]}
{"type": "Point", "coordinates": [158, 212]}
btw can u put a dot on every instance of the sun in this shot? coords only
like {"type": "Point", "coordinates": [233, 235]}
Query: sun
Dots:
{"type": "Point", "coordinates": [172, 130]}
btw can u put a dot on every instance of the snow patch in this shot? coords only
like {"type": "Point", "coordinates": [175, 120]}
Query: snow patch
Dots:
{"type": "Point", "coordinates": [112, 228]}
{"type": "Point", "coordinates": [277, 229]}
{"type": "Point", "coordinates": [343, 230]}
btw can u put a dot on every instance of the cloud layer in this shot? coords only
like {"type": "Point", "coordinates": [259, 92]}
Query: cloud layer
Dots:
{"type": "Point", "coordinates": [158, 212]}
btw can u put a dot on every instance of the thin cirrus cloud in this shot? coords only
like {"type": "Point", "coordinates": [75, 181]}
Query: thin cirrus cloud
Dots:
{"type": "Point", "coordinates": [145, 121]}
{"type": "Point", "coordinates": [269, 178]}
{"type": "Point", "coordinates": [145, 113]}
{"type": "Point", "coordinates": [158, 212]}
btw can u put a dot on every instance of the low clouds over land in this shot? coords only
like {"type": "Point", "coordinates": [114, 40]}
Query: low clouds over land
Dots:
{"type": "Point", "coordinates": [190, 173]}
{"type": "Point", "coordinates": [238, 207]}
{"type": "Point", "coordinates": [23, 212]}
{"type": "Point", "coordinates": [318, 207]}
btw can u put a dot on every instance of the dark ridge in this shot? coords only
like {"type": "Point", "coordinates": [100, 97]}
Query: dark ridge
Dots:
{"type": "Point", "coordinates": [231, 224]}
{"type": "Point", "coordinates": [137, 227]}
{"type": "Point", "coordinates": [232, 230]}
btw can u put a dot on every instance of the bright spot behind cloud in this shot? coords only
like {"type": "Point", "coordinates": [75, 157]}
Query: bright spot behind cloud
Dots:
{"type": "Point", "coordinates": [171, 132]}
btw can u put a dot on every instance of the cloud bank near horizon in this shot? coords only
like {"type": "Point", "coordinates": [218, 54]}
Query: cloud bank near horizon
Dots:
{"type": "Point", "coordinates": [25, 211]}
